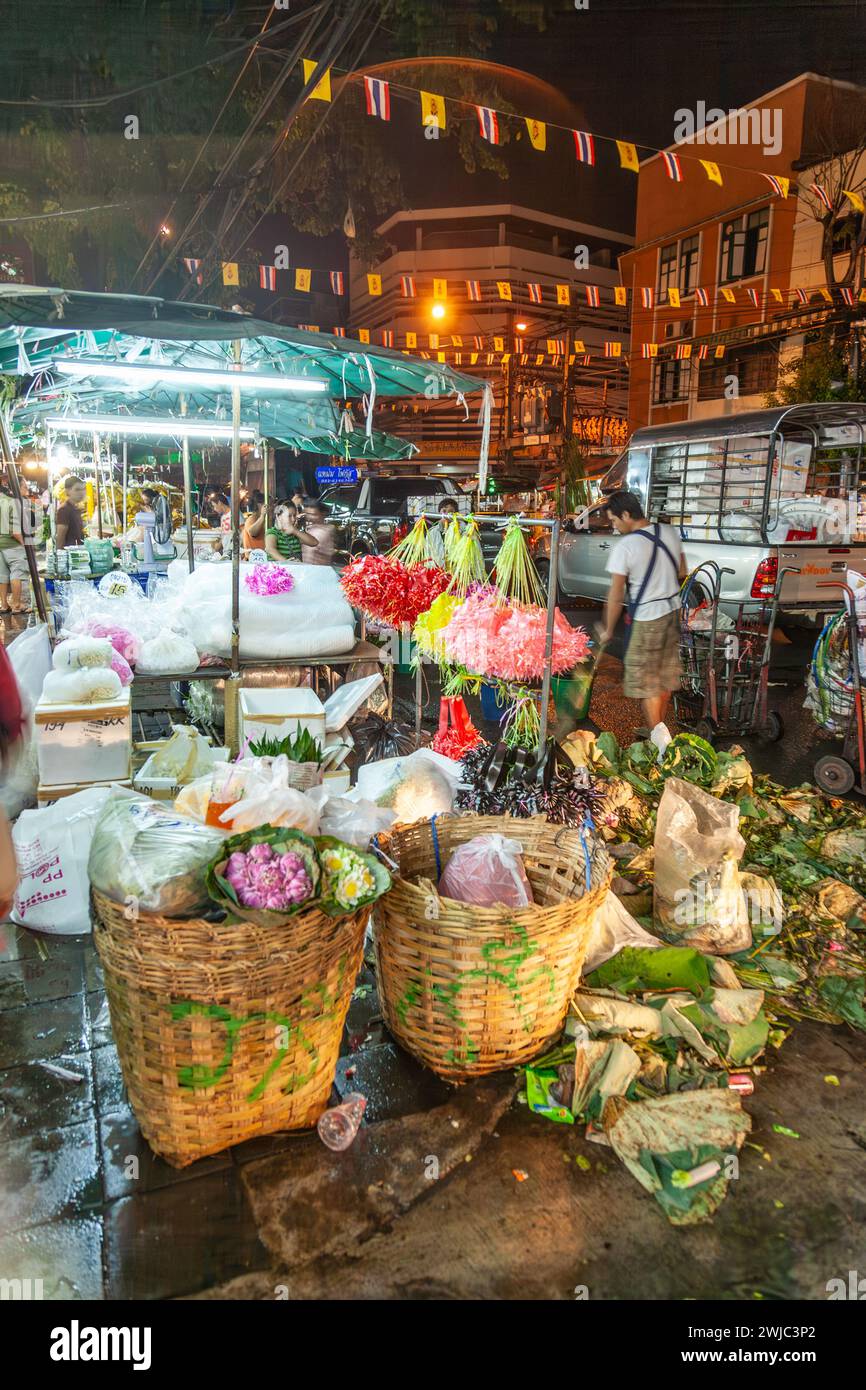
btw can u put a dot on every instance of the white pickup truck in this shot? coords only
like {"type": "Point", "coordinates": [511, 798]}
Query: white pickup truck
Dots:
{"type": "Point", "coordinates": [757, 492]}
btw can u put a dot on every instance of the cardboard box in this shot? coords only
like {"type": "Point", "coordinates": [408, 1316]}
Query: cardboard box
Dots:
{"type": "Point", "coordinates": [280, 712]}
{"type": "Point", "coordinates": [81, 744]}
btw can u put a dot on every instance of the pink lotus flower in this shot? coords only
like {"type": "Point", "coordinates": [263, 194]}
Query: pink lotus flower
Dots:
{"type": "Point", "coordinates": [262, 878]}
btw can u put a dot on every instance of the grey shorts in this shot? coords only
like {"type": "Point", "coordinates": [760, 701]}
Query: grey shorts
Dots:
{"type": "Point", "coordinates": [13, 564]}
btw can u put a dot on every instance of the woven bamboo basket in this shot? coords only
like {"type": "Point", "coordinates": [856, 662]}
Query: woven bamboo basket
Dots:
{"type": "Point", "coordinates": [470, 990]}
{"type": "Point", "coordinates": [226, 1031]}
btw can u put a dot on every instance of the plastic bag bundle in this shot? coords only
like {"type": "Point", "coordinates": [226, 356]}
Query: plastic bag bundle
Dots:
{"type": "Point", "coordinates": [488, 872]}
{"type": "Point", "coordinates": [415, 787]}
{"type": "Point", "coordinates": [698, 899]}
{"type": "Point", "coordinates": [354, 822]}
{"type": "Point", "coordinates": [184, 757]}
{"type": "Point", "coordinates": [167, 652]}
{"type": "Point", "coordinates": [52, 846]}
{"type": "Point", "coordinates": [124, 642]}
{"type": "Point", "coordinates": [78, 652]}
{"type": "Point", "coordinates": [87, 686]}
{"type": "Point", "coordinates": [149, 857]}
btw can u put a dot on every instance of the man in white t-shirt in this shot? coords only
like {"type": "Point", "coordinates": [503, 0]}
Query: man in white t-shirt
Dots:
{"type": "Point", "coordinates": [647, 567]}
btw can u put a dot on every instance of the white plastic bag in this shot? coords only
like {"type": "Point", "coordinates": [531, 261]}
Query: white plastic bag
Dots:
{"type": "Point", "coordinates": [415, 787]}
{"type": "Point", "coordinates": [354, 822]}
{"type": "Point", "coordinates": [698, 899]}
{"type": "Point", "coordinates": [85, 686]}
{"type": "Point", "coordinates": [613, 928]}
{"type": "Point", "coordinates": [487, 871]}
{"type": "Point", "coordinates": [145, 855]}
{"type": "Point", "coordinates": [30, 657]}
{"type": "Point", "coordinates": [79, 652]}
{"type": "Point", "coordinates": [183, 757]}
{"type": "Point", "coordinates": [52, 846]}
{"type": "Point", "coordinates": [268, 803]}
{"type": "Point", "coordinates": [167, 652]}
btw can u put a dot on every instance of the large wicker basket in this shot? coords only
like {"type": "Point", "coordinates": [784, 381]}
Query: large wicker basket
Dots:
{"type": "Point", "coordinates": [226, 1031]}
{"type": "Point", "coordinates": [470, 990]}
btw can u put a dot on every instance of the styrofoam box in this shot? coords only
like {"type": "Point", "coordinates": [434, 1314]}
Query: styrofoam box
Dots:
{"type": "Point", "coordinates": [337, 782]}
{"type": "Point", "coordinates": [165, 788]}
{"type": "Point", "coordinates": [75, 742]}
{"type": "Point", "coordinates": [280, 712]}
{"type": "Point", "coordinates": [46, 796]}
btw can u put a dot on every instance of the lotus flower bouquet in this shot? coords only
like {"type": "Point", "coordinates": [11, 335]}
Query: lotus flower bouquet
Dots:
{"type": "Point", "coordinates": [265, 874]}
{"type": "Point", "coordinates": [350, 879]}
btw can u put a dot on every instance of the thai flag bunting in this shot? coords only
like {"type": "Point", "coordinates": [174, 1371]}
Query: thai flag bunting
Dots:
{"type": "Point", "coordinates": [649, 350]}
{"type": "Point", "coordinates": [584, 359]}
{"type": "Point", "coordinates": [337, 282]}
{"type": "Point", "coordinates": [613, 349]}
{"type": "Point", "coordinates": [192, 266]}
{"type": "Point", "coordinates": [593, 298]}
{"type": "Point", "coordinates": [701, 297]}
{"type": "Point", "coordinates": [267, 277]}
{"type": "Point", "coordinates": [753, 295]}
{"type": "Point", "coordinates": [821, 194]}
{"type": "Point", "coordinates": [584, 146]}
{"type": "Point", "coordinates": [407, 286]}
{"type": "Point", "coordinates": [684, 349]}
{"type": "Point", "coordinates": [534, 293]}
{"type": "Point", "coordinates": [703, 351]}
{"type": "Point", "coordinates": [478, 342]}
{"type": "Point", "coordinates": [519, 344]}
{"type": "Point", "coordinates": [673, 167]}
{"type": "Point", "coordinates": [556, 346]}
{"type": "Point", "coordinates": [647, 297]}
{"type": "Point", "coordinates": [339, 332]}
{"type": "Point", "coordinates": [488, 124]}
{"type": "Point", "coordinates": [778, 184]}
{"type": "Point", "coordinates": [847, 295]}
{"type": "Point", "coordinates": [802, 296]}
{"type": "Point", "coordinates": [388, 337]}
{"type": "Point", "coordinates": [378, 95]}
{"type": "Point", "coordinates": [473, 289]}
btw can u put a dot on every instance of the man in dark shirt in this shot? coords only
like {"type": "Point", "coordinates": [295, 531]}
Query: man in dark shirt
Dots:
{"type": "Point", "coordinates": [69, 523]}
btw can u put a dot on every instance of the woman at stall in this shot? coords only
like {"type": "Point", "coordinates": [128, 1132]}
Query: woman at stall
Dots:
{"type": "Point", "coordinates": [285, 540]}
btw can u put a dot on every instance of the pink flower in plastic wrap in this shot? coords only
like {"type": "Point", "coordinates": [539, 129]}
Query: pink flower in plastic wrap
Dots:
{"type": "Point", "coordinates": [270, 579]}
{"type": "Point", "coordinates": [122, 667]}
{"type": "Point", "coordinates": [263, 879]}
{"type": "Point", "coordinates": [124, 642]}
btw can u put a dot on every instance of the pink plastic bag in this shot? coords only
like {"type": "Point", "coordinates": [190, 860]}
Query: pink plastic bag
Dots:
{"type": "Point", "coordinates": [487, 871]}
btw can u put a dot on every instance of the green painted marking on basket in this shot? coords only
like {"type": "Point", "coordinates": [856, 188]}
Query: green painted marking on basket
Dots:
{"type": "Point", "coordinates": [503, 961]}
{"type": "Point", "coordinates": [197, 1078]}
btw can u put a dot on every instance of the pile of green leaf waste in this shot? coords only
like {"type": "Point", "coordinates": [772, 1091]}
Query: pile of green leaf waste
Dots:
{"type": "Point", "coordinates": [662, 1040]}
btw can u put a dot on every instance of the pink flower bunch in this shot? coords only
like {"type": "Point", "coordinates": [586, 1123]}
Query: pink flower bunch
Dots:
{"type": "Point", "coordinates": [508, 641]}
{"type": "Point", "coordinates": [124, 642]}
{"type": "Point", "coordinates": [269, 579]}
{"type": "Point", "coordinates": [262, 878]}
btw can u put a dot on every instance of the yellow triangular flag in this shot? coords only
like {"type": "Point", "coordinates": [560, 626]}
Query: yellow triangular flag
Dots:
{"type": "Point", "coordinates": [473, 358]}
{"type": "Point", "coordinates": [374, 284]}
{"type": "Point", "coordinates": [440, 357]}
{"type": "Point", "coordinates": [504, 288]}
{"type": "Point", "coordinates": [537, 133]}
{"type": "Point", "coordinates": [720, 350]}
{"type": "Point", "coordinates": [432, 110]}
{"type": "Point", "coordinates": [230, 273]}
{"type": "Point", "coordinates": [456, 340]}
{"type": "Point", "coordinates": [539, 360]}
{"type": "Point", "coordinates": [729, 294]}
{"type": "Point", "coordinates": [302, 280]}
{"type": "Point", "coordinates": [322, 89]}
{"type": "Point", "coordinates": [434, 341]}
{"type": "Point", "coordinates": [777, 294]}
{"type": "Point", "coordinates": [563, 294]}
{"type": "Point", "coordinates": [578, 346]}
{"type": "Point", "coordinates": [363, 335]}
{"type": "Point", "coordinates": [619, 295]}
{"type": "Point", "coordinates": [506, 357]}
{"type": "Point", "coordinates": [440, 289]}
{"type": "Point", "coordinates": [498, 344]}
{"type": "Point", "coordinates": [827, 295]}
{"type": "Point", "coordinates": [653, 349]}
{"type": "Point", "coordinates": [863, 296]}
{"type": "Point", "coordinates": [411, 340]}
{"type": "Point", "coordinates": [627, 155]}
{"type": "Point", "coordinates": [855, 199]}
{"type": "Point", "coordinates": [674, 297]}
{"type": "Point", "coordinates": [784, 185]}
{"type": "Point", "coordinates": [714, 173]}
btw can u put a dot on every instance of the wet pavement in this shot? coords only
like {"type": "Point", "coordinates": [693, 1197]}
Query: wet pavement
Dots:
{"type": "Point", "coordinates": [426, 1204]}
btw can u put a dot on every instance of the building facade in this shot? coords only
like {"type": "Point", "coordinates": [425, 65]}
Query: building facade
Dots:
{"type": "Point", "coordinates": [736, 251]}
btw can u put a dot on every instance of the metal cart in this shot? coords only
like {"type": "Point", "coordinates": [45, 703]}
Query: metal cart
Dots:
{"type": "Point", "coordinates": [726, 670]}
{"type": "Point", "coordinates": [834, 774]}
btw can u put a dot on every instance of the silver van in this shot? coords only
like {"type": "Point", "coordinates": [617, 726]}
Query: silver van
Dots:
{"type": "Point", "coordinates": [755, 492]}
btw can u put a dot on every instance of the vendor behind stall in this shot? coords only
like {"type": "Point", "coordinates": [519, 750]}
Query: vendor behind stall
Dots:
{"type": "Point", "coordinates": [284, 540]}
{"type": "Point", "coordinates": [255, 521]}
{"type": "Point", "coordinates": [69, 523]}
{"type": "Point", "coordinates": [316, 524]}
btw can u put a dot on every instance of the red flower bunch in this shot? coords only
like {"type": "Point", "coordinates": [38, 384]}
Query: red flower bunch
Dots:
{"type": "Point", "coordinates": [386, 590]}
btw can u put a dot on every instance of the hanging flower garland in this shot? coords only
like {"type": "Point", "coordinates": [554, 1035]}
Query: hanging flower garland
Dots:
{"type": "Point", "coordinates": [509, 641]}
{"type": "Point", "coordinates": [388, 591]}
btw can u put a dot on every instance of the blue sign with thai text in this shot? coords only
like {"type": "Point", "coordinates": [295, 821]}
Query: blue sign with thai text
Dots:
{"type": "Point", "coordinates": [336, 475]}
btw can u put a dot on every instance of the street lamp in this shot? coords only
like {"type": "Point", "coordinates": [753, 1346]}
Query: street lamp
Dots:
{"type": "Point", "coordinates": [437, 310]}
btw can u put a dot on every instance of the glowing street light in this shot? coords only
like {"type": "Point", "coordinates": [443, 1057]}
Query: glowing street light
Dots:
{"type": "Point", "coordinates": [437, 311]}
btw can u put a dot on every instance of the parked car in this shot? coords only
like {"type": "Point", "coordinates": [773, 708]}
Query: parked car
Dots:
{"type": "Point", "coordinates": [374, 513]}
{"type": "Point", "coordinates": [757, 492]}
